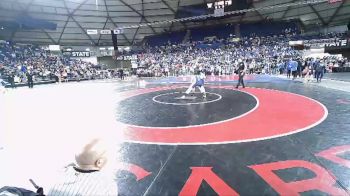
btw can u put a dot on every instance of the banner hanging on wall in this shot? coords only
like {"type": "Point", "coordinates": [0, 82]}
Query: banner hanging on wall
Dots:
{"type": "Point", "coordinates": [77, 53]}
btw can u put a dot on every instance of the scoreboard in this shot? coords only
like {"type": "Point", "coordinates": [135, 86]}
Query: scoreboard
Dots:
{"type": "Point", "coordinates": [218, 8]}
{"type": "Point", "coordinates": [229, 5]}
{"type": "Point", "coordinates": [219, 4]}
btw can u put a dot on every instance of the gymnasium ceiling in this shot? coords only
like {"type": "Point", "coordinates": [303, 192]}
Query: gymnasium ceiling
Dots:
{"type": "Point", "coordinates": [74, 17]}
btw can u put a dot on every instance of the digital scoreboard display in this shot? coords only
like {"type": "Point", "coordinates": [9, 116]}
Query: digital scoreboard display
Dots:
{"type": "Point", "coordinates": [210, 7]}
{"type": "Point", "coordinates": [220, 4]}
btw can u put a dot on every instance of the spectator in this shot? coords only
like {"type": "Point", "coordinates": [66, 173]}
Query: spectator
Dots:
{"type": "Point", "coordinates": [216, 56]}
{"type": "Point", "coordinates": [30, 79]}
{"type": "Point", "coordinates": [121, 73]}
{"type": "Point", "coordinates": [320, 69]}
{"type": "Point", "coordinates": [11, 80]}
{"type": "Point", "coordinates": [294, 68]}
{"type": "Point", "coordinates": [16, 60]}
{"type": "Point", "coordinates": [289, 68]}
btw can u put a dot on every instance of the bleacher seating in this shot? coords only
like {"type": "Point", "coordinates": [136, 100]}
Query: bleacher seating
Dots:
{"type": "Point", "coordinates": [268, 28]}
{"type": "Point", "coordinates": [224, 31]}
{"type": "Point", "coordinates": [220, 31]}
{"type": "Point", "coordinates": [16, 60]}
{"type": "Point", "coordinates": [163, 39]}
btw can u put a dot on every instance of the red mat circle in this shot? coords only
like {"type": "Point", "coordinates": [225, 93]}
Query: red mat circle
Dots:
{"type": "Point", "coordinates": [279, 114]}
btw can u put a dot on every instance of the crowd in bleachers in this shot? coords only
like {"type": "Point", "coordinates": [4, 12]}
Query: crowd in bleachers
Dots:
{"type": "Point", "coordinates": [261, 54]}
{"type": "Point", "coordinates": [20, 63]}
{"type": "Point", "coordinates": [219, 53]}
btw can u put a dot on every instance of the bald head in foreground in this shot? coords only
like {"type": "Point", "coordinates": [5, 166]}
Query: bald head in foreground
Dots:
{"type": "Point", "coordinates": [89, 176]}
{"type": "Point", "coordinates": [93, 156]}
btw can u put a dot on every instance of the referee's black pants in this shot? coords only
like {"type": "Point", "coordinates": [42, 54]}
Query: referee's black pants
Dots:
{"type": "Point", "coordinates": [13, 85]}
{"type": "Point", "coordinates": [240, 80]}
{"type": "Point", "coordinates": [30, 83]}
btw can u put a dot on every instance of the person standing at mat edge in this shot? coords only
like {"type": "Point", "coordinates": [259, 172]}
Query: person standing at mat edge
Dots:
{"type": "Point", "coordinates": [294, 68]}
{"type": "Point", "coordinates": [30, 79]}
{"type": "Point", "coordinates": [320, 69]}
{"type": "Point", "coordinates": [241, 73]}
{"type": "Point", "coordinates": [11, 80]}
{"type": "Point", "coordinates": [121, 74]}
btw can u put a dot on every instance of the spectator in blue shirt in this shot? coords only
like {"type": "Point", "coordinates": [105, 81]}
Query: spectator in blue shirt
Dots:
{"type": "Point", "coordinates": [294, 68]}
{"type": "Point", "coordinates": [289, 68]}
{"type": "Point", "coordinates": [315, 64]}
{"type": "Point", "coordinates": [319, 71]}
{"type": "Point", "coordinates": [281, 67]}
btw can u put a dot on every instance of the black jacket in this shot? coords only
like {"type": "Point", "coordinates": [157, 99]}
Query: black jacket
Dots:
{"type": "Point", "coordinates": [30, 77]}
{"type": "Point", "coordinates": [241, 69]}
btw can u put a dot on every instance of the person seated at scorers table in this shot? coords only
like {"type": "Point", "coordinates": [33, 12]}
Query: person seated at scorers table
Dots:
{"type": "Point", "coordinates": [89, 176]}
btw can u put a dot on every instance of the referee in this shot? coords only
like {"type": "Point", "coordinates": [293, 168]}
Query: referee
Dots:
{"type": "Point", "coordinates": [241, 73]}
